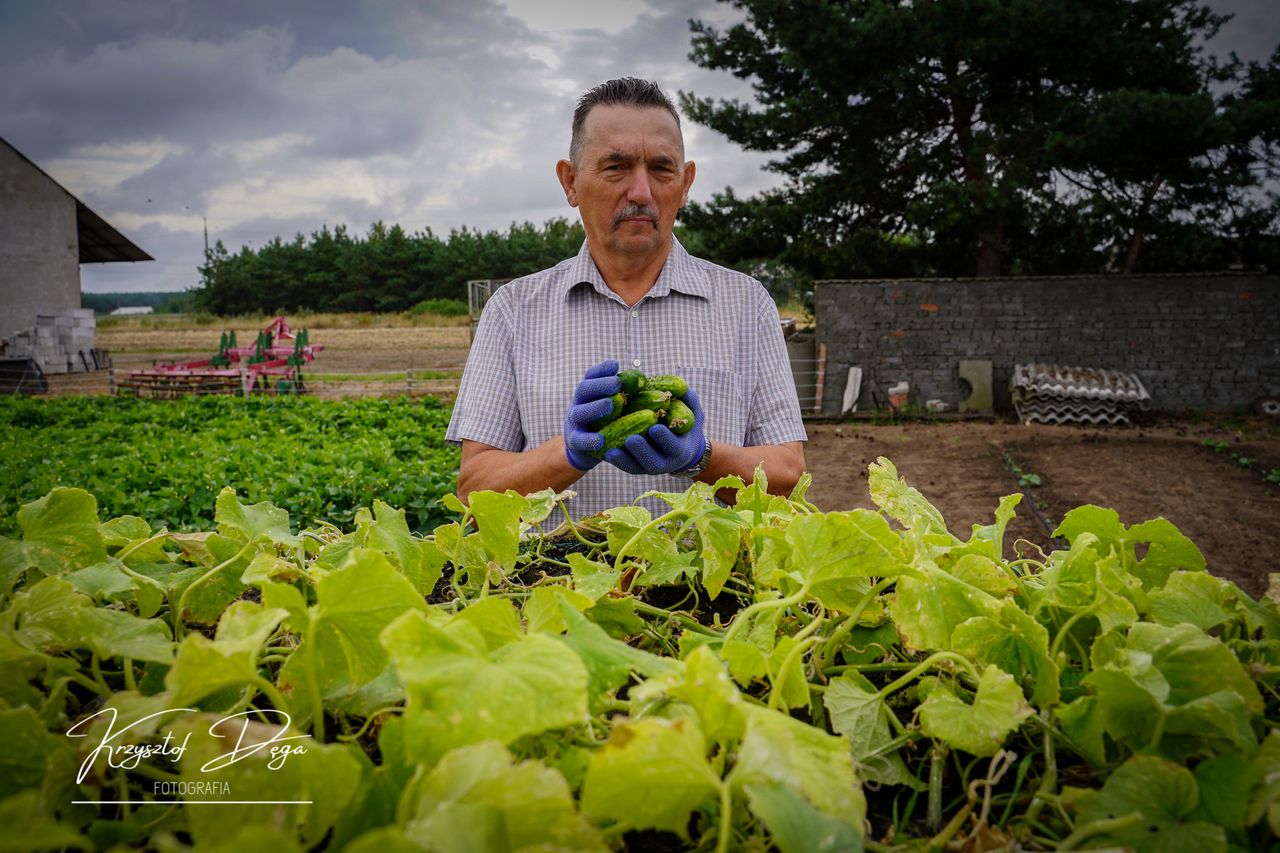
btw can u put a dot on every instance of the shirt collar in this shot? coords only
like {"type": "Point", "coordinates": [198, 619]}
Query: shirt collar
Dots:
{"type": "Point", "coordinates": [680, 272]}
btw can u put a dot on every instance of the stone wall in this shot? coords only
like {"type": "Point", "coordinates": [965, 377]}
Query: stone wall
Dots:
{"type": "Point", "coordinates": [1207, 341]}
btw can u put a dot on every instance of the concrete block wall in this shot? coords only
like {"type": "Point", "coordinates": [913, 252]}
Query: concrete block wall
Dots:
{"type": "Point", "coordinates": [57, 341]}
{"type": "Point", "coordinates": [39, 245]}
{"type": "Point", "coordinates": [1204, 341]}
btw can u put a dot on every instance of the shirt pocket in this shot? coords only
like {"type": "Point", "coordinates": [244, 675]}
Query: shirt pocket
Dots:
{"type": "Point", "coordinates": [723, 402]}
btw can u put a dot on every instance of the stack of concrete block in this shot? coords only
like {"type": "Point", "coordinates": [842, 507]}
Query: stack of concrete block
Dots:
{"type": "Point", "coordinates": [59, 343]}
{"type": "Point", "coordinates": [1054, 394]}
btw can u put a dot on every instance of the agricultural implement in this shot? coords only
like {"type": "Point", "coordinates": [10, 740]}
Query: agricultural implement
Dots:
{"type": "Point", "coordinates": [273, 365]}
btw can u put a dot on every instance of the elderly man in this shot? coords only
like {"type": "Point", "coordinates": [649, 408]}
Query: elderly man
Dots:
{"type": "Point", "coordinates": [549, 346]}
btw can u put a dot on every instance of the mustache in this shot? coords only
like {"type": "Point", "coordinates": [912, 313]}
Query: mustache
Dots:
{"type": "Point", "coordinates": [635, 210]}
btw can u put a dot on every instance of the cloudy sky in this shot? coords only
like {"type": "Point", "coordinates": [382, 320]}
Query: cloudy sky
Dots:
{"type": "Point", "coordinates": [273, 117]}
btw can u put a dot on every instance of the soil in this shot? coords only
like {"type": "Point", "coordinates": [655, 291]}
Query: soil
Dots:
{"type": "Point", "coordinates": [1160, 468]}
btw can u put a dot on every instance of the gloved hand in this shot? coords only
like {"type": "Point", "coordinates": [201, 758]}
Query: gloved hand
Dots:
{"type": "Point", "coordinates": [590, 403]}
{"type": "Point", "coordinates": [661, 451]}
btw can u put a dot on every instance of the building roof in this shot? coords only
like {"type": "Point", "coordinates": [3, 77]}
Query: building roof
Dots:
{"type": "Point", "coordinates": [99, 241]}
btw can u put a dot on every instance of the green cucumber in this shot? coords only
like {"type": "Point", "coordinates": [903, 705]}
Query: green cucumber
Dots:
{"type": "Point", "coordinates": [618, 402]}
{"type": "Point", "coordinates": [679, 417]}
{"type": "Point", "coordinates": [633, 382]}
{"type": "Point", "coordinates": [616, 433]}
{"type": "Point", "coordinates": [647, 399]}
{"type": "Point", "coordinates": [668, 382]}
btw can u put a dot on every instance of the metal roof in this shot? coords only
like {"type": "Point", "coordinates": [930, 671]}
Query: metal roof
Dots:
{"type": "Point", "coordinates": [99, 242]}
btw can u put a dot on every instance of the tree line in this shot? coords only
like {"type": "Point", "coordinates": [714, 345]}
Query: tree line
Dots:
{"type": "Point", "coordinates": [387, 269]}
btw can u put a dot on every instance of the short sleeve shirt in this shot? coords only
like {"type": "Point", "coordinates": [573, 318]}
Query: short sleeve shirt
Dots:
{"type": "Point", "coordinates": [715, 327]}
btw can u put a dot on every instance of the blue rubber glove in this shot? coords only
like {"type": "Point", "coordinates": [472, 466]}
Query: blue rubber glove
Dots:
{"type": "Point", "coordinates": [590, 403]}
{"type": "Point", "coordinates": [661, 451]}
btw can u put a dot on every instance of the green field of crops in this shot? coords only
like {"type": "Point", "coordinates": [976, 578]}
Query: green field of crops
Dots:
{"type": "Point", "coordinates": [758, 677]}
{"type": "Point", "coordinates": [166, 460]}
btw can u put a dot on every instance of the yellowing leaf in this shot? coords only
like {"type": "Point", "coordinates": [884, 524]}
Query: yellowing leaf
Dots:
{"type": "Point", "coordinates": [981, 728]}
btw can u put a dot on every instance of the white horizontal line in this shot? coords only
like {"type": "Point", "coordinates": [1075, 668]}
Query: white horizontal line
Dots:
{"type": "Point", "coordinates": [190, 802]}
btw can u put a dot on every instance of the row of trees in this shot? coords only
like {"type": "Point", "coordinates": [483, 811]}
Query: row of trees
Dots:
{"type": "Point", "coordinates": [386, 270]}
{"type": "Point", "coordinates": [992, 137]}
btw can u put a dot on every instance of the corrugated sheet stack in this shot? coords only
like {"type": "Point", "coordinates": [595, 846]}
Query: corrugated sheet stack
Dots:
{"type": "Point", "coordinates": [1053, 394]}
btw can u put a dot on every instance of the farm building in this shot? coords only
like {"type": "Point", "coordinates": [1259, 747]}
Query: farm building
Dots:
{"type": "Point", "coordinates": [132, 310]}
{"type": "Point", "coordinates": [45, 234]}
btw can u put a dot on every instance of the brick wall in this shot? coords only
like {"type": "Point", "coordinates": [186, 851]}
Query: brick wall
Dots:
{"type": "Point", "coordinates": [1210, 341]}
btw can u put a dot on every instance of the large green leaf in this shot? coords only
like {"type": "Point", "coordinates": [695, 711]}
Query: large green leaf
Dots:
{"type": "Point", "coordinates": [1167, 550]}
{"type": "Point", "coordinates": [47, 616]}
{"type": "Point", "coordinates": [1164, 795]}
{"type": "Point", "coordinates": [817, 766]}
{"type": "Point", "coordinates": [249, 523]}
{"type": "Point", "coordinates": [1175, 689]}
{"type": "Point", "coordinates": [321, 779]}
{"type": "Point", "coordinates": [541, 609]}
{"type": "Point", "coordinates": [204, 667]}
{"type": "Point", "coordinates": [386, 530]}
{"type": "Point", "coordinates": [1196, 598]}
{"type": "Point", "coordinates": [497, 516]}
{"type": "Point", "coordinates": [651, 774]}
{"type": "Point", "coordinates": [1017, 644]}
{"type": "Point", "coordinates": [610, 662]}
{"type": "Point", "coordinates": [796, 826]}
{"type": "Point", "coordinates": [114, 633]}
{"type": "Point", "coordinates": [928, 607]}
{"type": "Point", "coordinates": [60, 533]}
{"type": "Point", "coordinates": [462, 693]}
{"type": "Point", "coordinates": [858, 712]}
{"type": "Point", "coordinates": [478, 799]}
{"type": "Point", "coordinates": [341, 649]}
{"type": "Point", "coordinates": [29, 749]}
{"type": "Point", "coordinates": [829, 548]}
{"type": "Point", "coordinates": [982, 727]}
{"type": "Point", "coordinates": [28, 827]}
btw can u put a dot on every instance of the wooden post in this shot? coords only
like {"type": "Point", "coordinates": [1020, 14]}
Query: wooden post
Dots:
{"type": "Point", "coordinates": [822, 376]}
{"type": "Point", "coordinates": [111, 382]}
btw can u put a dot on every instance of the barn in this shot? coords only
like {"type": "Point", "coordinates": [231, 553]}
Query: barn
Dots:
{"type": "Point", "coordinates": [46, 233]}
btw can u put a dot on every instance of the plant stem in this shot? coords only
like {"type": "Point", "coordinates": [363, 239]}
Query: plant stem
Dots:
{"type": "Point", "coordinates": [635, 537]}
{"type": "Point", "coordinates": [129, 681]}
{"type": "Point", "coordinates": [1098, 827]}
{"type": "Point", "coordinates": [687, 622]}
{"type": "Point", "coordinates": [726, 818]}
{"type": "Point", "coordinates": [179, 626]}
{"type": "Point", "coordinates": [937, 763]}
{"type": "Point", "coordinates": [747, 614]}
{"type": "Point", "coordinates": [923, 666]}
{"type": "Point", "coordinates": [1048, 781]}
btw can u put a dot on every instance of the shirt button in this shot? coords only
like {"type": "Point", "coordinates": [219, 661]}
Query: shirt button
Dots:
{"type": "Point", "coordinates": [635, 363]}
{"type": "Point", "coordinates": [635, 313]}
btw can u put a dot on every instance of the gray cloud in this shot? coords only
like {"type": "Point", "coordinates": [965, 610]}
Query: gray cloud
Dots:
{"type": "Point", "coordinates": [277, 118]}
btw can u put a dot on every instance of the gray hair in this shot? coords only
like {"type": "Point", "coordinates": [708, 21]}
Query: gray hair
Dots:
{"type": "Point", "coordinates": [625, 91]}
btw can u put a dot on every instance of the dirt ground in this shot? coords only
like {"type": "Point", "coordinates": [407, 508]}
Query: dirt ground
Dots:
{"type": "Point", "coordinates": [346, 351]}
{"type": "Point", "coordinates": [1160, 468]}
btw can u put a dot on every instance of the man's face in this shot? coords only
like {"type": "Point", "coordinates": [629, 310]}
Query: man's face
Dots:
{"type": "Point", "coordinates": [631, 181]}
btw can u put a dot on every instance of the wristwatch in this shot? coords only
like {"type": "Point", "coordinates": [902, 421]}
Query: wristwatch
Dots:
{"type": "Point", "coordinates": [698, 467]}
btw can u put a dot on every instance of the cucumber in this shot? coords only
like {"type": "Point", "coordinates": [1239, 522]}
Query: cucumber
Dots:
{"type": "Point", "coordinates": [648, 399]}
{"type": "Point", "coordinates": [618, 402]}
{"type": "Point", "coordinates": [679, 417]}
{"type": "Point", "coordinates": [616, 434]}
{"type": "Point", "coordinates": [668, 382]}
{"type": "Point", "coordinates": [633, 382]}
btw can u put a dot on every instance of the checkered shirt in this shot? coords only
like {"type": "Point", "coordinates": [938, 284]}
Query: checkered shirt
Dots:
{"type": "Point", "coordinates": [715, 327]}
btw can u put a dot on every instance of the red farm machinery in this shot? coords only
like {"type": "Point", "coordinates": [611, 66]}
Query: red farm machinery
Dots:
{"type": "Point", "coordinates": [272, 365]}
